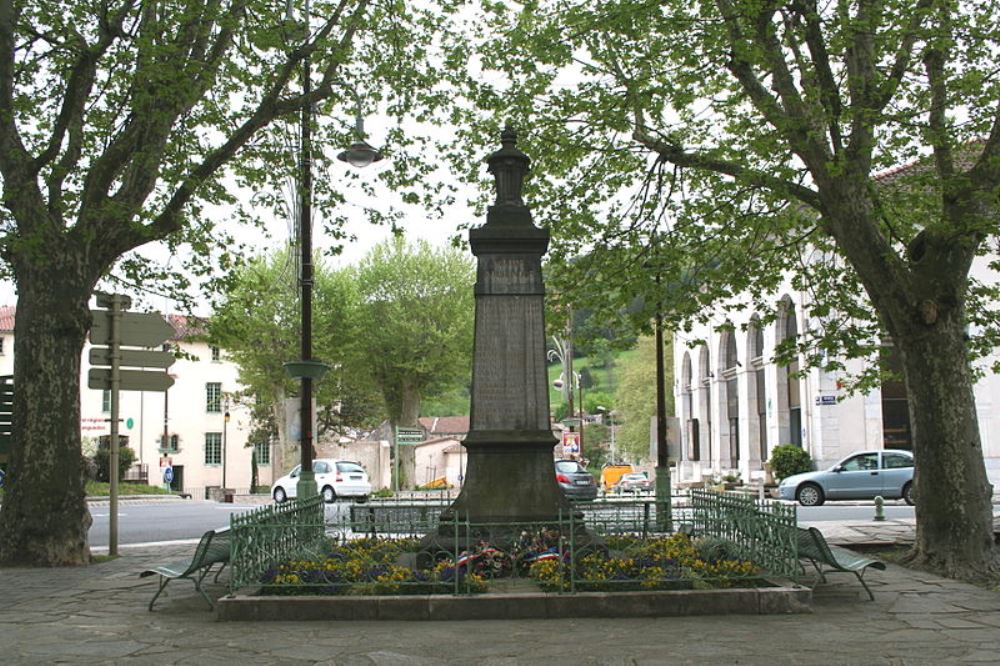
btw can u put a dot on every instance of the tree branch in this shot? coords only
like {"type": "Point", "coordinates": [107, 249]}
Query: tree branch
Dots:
{"type": "Point", "coordinates": [675, 154]}
{"type": "Point", "coordinates": [829, 90]}
{"type": "Point", "coordinates": [903, 56]}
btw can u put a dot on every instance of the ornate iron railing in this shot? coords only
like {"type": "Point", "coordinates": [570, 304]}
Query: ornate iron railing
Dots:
{"type": "Point", "coordinates": [762, 530]}
{"type": "Point", "coordinates": [416, 518]}
{"type": "Point", "coordinates": [265, 537]}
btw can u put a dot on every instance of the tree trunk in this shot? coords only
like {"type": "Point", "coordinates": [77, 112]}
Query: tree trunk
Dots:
{"type": "Point", "coordinates": [954, 497]}
{"type": "Point", "coordinates": [44, 519]}
{"type": "Point", "coordinates": [409, 406]}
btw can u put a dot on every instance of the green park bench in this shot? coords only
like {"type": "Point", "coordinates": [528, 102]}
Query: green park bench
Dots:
{"type": "Point", "coordinates": [813, 547]}
{"type": "Point", "coordinates": [212, 549]}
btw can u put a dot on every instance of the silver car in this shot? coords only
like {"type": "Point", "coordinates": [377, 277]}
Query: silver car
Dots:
{"type": "Point", "coordinates": [861, 475]}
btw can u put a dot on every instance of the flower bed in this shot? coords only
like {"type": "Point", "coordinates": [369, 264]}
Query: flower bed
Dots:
{"type": "Point", "coordinates": [623, 563]}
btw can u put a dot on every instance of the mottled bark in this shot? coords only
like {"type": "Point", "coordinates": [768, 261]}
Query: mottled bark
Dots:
{"type": "Point", "coordinates": [44, 519]}
{"type": "Point", "coordinates": [954, 497]}
{"type": "Point", "coordinates": [922, 304]}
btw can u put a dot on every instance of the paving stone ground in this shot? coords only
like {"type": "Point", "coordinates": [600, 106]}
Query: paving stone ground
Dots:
{"type": "Point", "coordinates": [97, 615]}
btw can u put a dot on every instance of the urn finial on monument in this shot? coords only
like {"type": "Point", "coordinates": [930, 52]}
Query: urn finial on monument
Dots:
{"type": "Point", "coordinates": [509, 166]}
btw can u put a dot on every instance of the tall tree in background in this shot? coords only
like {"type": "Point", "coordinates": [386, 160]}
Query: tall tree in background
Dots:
{"type": "Point", "coordinates": [415, 322]}
{"type": "Point", "coordinates": [753, 132]}
{"type": "Point", "coordinates": [258, 324]}
{"type": "Point", "coordinates": [119, 121]}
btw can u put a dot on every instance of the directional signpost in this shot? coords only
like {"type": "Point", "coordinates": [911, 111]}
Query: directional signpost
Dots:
{"type": "Point", "coordinates": [115, 327]}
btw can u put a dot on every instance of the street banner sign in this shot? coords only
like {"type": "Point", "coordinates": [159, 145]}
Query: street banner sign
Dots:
{"type": "Point", "coordinates": [137, 329]}
{"type": "Point", "coordinates": [570, 442]}
{"type": "Point", "coordinates": [129, 380]}
{"type": "Point", "coordinates": [134, 358]}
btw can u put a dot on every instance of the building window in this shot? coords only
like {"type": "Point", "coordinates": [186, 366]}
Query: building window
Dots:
{"type": "Point", "coordinates": [170, 443]}
{"type": "Point", "coordinates": [216, 354]}
{"type": "Point", "coordinates": [896, 431]}
{"type": "Point", "coordinates": [263, 452]}
{"type": "Point", "coordinates": [213, 448]}
{"type": "Point", "coordinates": [794, 402]}
{"type": "Point", "coordinates": [106, 401]}
{"type": "Point", "coordinates": [1, 345]}
{"type": "Point", "coordinates": [213, 397]}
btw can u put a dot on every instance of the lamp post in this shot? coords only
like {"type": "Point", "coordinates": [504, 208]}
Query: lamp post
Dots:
{"type": "Point", "coordinates": [307, 369]}
{"type": "Point", "coordinates": [578, 387]}
{"type": "Point", "coordinates": [225, 439]}
{"type": "Point", "coordinates": [611, 426]}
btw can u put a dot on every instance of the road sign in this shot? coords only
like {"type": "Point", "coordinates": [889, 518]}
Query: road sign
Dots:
{"type": "Point", "coordinates": [130, 380]}
{"type": "Point", "coordinates": [409, 435]}
{"type": "Point", "coordinates": [135, 358]}
{"type": "Point", "coordinates": [136, 329]}
{"type": "Point", "coordinates": [108, 301]}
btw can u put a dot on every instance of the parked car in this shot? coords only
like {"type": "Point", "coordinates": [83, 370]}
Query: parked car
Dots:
{"type": "Point", "coordinates": [576, 482]}
{"type": "Point", "coordinates": [636, 482]}
{"type": "Point", "coordinates": [334, 478]}
{"type": "Point", "coordinates": [861, 475]}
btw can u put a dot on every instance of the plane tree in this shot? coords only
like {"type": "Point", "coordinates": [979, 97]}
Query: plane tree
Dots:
{"type": "Point", "coordinates": [124, 123]}
{"type": "Point", "coordinates": [724, 145]}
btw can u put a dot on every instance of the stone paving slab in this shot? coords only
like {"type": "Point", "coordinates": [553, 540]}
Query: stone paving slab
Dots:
{"type": "Point", "coordinates": [97, 615]}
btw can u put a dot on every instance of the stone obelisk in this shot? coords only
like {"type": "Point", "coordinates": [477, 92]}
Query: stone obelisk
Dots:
{"type": "Point", "coordinates": [510, 476]}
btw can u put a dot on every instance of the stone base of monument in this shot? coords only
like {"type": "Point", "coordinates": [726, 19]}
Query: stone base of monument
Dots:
{"type": "Point", "coordinates": [510, 495]}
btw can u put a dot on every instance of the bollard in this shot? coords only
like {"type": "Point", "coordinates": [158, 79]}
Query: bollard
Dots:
{"type": "Point", "coordinates": [879, 508]}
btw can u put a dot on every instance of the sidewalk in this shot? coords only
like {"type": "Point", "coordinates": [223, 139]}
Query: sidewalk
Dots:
{"type": "Point", "coordinates": [97, 615]}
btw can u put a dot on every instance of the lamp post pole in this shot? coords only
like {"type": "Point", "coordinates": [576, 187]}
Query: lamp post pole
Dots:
{"type": "Point", "coordinates": [664, 508]}
{"type": "Point", "coordinates": [307, 483]}
{"type": "Point", "coordinates": [225, 441]}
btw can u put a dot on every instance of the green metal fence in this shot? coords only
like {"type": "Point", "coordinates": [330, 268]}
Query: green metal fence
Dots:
{"type": "Point", "coordinates": [763, 531]}
{"type": "Point", "coordinates": [416, 517]}
{"type": "Point", "coordinates": [263, 538]}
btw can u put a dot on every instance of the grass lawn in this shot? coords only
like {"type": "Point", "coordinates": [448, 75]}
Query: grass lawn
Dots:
{"type": "Point", "coordinates": [101, 489]}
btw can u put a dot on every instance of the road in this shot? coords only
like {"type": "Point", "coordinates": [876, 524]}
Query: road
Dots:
{"type": "Point", "coordinates": [153, 522]}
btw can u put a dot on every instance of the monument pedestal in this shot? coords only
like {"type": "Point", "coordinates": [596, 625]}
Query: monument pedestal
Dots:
{"type": "Point", "coordinates": [510, 482]}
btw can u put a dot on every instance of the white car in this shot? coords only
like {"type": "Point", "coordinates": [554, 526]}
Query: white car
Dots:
{"type": "Point", "coordinates": [334, 478]}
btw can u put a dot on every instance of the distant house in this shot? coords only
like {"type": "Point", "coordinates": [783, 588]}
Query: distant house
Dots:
{"type": "Point", "coordinates": [186, 426]}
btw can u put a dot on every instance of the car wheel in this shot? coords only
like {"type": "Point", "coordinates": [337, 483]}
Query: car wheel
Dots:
{"type": "Point", "coordinates": [363, 499]}
{"type": "Point", "coordinates": [279, 495]}
{"type": "Point", "coordinates": [328, 495]}
{"type": "Point", "coordinates": [810, 494]}
{"type": "Point", "coordinates": [909, 494]}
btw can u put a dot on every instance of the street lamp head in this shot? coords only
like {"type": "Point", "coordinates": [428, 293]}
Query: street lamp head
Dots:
{"type": "Point", "coordinates": [360, 154]}
{"type": "Point", "coordinates": [226, 416]}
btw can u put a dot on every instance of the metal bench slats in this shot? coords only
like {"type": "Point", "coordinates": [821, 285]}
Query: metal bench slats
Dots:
{"type": "Point", "coordinates": [212, 549]}
{"type": "Point", "coordinates": [813, 547]}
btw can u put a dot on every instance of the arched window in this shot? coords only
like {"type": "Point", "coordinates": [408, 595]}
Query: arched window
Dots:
{"type": "Point", "coordinates": [791, 330]}
{"type": "Point", "coordinates": [730, 396]}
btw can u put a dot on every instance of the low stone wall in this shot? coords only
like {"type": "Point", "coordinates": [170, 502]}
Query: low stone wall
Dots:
{"type": "Point", "coordinates": [785, 599]}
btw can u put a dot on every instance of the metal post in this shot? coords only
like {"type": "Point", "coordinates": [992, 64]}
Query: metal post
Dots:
{"type": "Point", "coordinates": [307, 481]}
{"type": "Point", "coordinates": [225, 439]}
{"type": "Point", "coordinates": [579, 388]}
{"type": "Point", "coordinates": [115, 351]}
{"type": "Point", "coordinates": [395, 462]}
{"type": "Point", "coordinates": [664, 508]}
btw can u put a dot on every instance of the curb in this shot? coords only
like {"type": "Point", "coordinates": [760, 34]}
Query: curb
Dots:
{"type": "Point", "coordinates": [748, 601]}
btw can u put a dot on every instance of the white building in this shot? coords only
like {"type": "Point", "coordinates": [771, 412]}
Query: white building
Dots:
{"type": "Point", "coordinates": [735, 404]}
{"type": "Point", "coordinates": [201, 444]}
